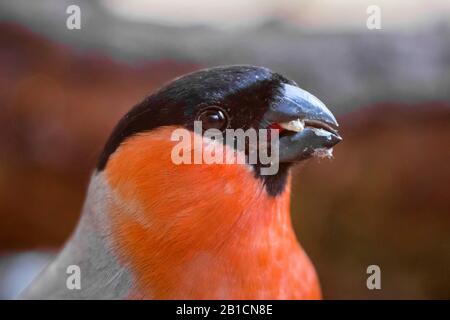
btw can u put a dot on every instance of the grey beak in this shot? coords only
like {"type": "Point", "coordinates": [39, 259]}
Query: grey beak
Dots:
{"type": "Point", "coordinates": [296, 103]}
{"type": "Point", "coordinates": [320, 129]}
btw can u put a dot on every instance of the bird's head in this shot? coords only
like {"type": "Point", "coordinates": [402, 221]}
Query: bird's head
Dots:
{"type": "Point", "coordinates": [232, 98]}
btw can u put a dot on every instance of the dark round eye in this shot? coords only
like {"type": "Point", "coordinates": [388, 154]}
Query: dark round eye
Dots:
{"type": "Point", "coordinates": [213, 118]}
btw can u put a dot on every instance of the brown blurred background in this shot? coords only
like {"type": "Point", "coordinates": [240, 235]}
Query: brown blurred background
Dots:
{"type": "Point", "coordinates": [383, 200]}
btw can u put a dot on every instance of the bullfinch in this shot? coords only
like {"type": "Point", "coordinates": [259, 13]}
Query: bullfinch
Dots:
{"type": "Point", "coordinates": [155, 228]}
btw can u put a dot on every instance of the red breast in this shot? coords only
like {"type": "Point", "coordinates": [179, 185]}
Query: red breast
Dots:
{"type": "Point", "coordinates": [194, 231]}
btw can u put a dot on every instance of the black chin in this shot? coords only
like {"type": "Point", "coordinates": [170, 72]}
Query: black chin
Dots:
{"type": "Point", "coordinates": [274, 184]}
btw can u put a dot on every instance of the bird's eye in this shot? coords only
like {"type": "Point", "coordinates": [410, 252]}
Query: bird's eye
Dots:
{"type": "Point", "coordinates": [213, 118]}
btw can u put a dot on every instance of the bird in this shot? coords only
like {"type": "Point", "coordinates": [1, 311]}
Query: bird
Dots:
{"type": "Point", "coordinates": [153, 229]}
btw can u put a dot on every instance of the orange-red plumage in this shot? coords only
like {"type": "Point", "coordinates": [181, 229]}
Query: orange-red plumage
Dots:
{"type": "Point", "coordinates": [202, 231]}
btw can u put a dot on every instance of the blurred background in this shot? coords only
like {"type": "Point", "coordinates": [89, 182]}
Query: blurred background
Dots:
{"type": "Point", "coordinates": [383, 200]}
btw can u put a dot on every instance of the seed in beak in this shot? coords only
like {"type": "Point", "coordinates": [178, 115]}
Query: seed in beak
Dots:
{"type": "Point", "coordinates": [296, 125]}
